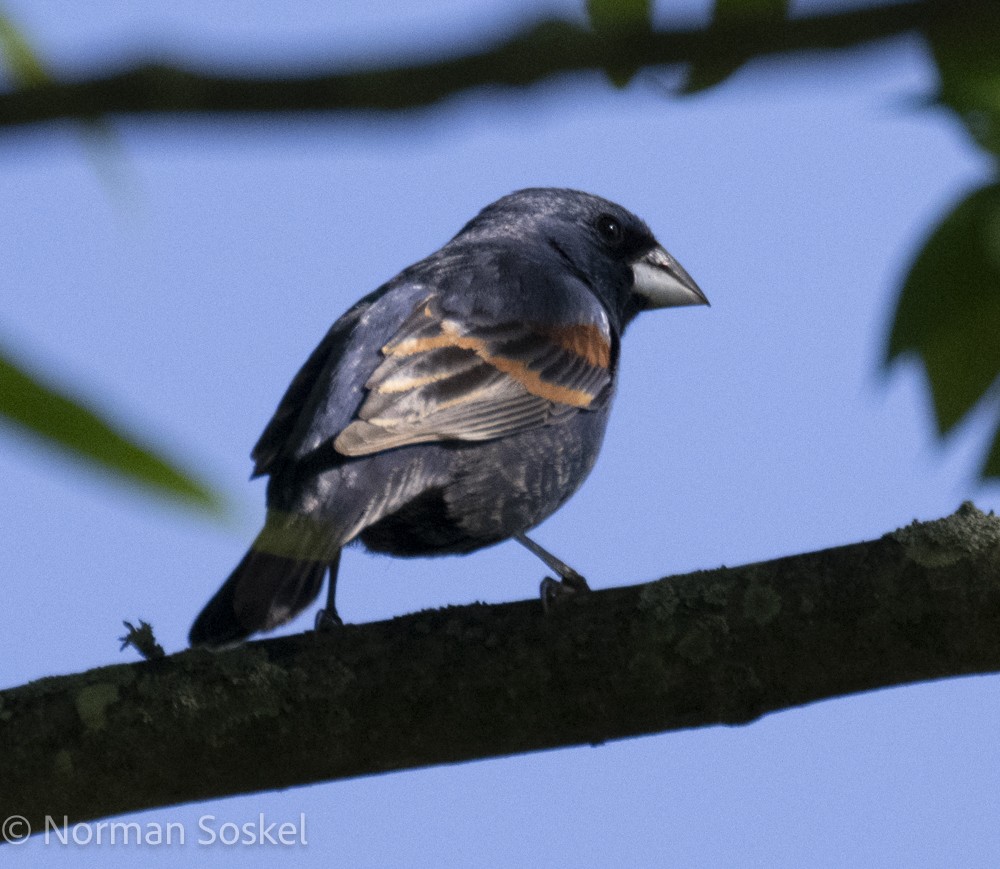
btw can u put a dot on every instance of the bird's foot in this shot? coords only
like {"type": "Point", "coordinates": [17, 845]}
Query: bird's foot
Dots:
{"type": "Point", "coordinates": [328, 620]}
{"type": "Point", "coordinates": [553, 590]}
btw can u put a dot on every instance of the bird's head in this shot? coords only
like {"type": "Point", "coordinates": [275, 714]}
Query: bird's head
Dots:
{"type": "Point", "coordinates": [606, 246]}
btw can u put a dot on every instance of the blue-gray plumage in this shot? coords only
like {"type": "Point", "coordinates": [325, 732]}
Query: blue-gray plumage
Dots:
{"type": "Point", "coordinates": [456, 406]}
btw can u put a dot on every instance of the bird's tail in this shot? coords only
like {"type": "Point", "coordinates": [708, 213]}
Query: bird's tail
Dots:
{"type": "Point", "coordinates": [264, 591]}
{"type": "Point", "coordinates": [278, 578]}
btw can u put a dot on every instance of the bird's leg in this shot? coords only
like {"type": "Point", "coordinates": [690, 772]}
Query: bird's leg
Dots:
{"type": "Point", "coordinates": [570, 581]}
{"type": "Point", "coordinates": [327, 618]}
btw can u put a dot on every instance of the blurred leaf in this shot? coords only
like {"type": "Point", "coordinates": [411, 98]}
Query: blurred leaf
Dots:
{"type": "Point", "coordinates": [25, 65]}
{"type": "Point", "coordinates": [99, 137]}
{"type": "Point", "coordinates": [40, 409]}
{"type": "Point", "coordinates": [991, 468]}
{"type": "Point", "coordinates": [620, 14]}
{"type": "Point", "coordinates": [949, 310]}
{"type": "Point", "coordinates": [965, 39]}
{"type": "Point", "coordinates": [49, 414]}
{"type": "Point", "coordinates": [746, 15]}
{"type": "Point", "coordinates": [617, 18]}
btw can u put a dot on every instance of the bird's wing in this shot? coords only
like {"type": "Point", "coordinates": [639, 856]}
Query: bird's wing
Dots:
{"type": "Point", "coordinates": [325, 394]}
{"type": "Point", "coordinates": [445, 378]}
{"type": "Point", "coordinates": [275, 436]}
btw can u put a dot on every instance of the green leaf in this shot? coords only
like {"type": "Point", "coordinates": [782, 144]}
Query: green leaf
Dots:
{"type": "Point", "coordinates": [991, 467]}
{"type": "Point", "coordinates": [41, 410]}
{"type": "Point", "coordinates": [965, 39]}
{"type": "Point", "coordinates": [630, 15]}
{"type": "Point", "coordinates": [621, 22]}
{"type": "Point", "coordinates": [25, 65]}
{"type": "Point", "coordinates": [27, 70]}
{"type": "Point", "coordinates": [949, 309]}
{"type": "Point", "coordinates": [730, 20]}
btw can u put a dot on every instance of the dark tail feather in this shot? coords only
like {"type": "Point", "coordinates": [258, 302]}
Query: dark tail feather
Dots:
{"type": "Point", "coordinates": [264, 591]}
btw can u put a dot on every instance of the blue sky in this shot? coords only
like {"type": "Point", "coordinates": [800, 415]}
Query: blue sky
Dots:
{"type": "Point", "coordinates": [185, 292]}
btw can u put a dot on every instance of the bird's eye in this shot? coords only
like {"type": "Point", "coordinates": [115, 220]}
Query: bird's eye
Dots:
{"type": "Point", "coordinates": [609, 228]}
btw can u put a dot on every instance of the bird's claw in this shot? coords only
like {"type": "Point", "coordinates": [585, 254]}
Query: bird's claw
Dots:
{"type": "Point", "coordinates": [328, 620]}
{"type": "Point", "coordinates": [552, 590]}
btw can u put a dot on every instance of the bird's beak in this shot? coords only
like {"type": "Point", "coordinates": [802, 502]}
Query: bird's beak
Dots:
{"type": "Point", "coordinates": [661, 282]}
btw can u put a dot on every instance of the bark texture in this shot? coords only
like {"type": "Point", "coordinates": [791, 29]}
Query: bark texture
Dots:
{"type": "Point", "coordinates": [721, 646]}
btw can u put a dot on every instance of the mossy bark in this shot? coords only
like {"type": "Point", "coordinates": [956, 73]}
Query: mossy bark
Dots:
{"type": "Point", "coordinates": [720, 646]}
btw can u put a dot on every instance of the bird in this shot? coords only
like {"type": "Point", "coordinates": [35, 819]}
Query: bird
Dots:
{"type": "Point", "coordinates": [456, 406]}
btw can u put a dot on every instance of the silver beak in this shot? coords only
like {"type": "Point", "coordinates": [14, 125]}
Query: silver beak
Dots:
{"type": "Point", "coordinates": [661, 282]}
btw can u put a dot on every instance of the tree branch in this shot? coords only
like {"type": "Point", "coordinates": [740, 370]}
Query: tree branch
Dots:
{"type": "Point", "coordinates": [720, 646]}
{"type": "Point", "coordinates": [525, 58]}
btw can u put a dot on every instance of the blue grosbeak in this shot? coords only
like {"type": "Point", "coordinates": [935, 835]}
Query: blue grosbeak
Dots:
{"type": "Point", "coordinates": [458, 405]}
